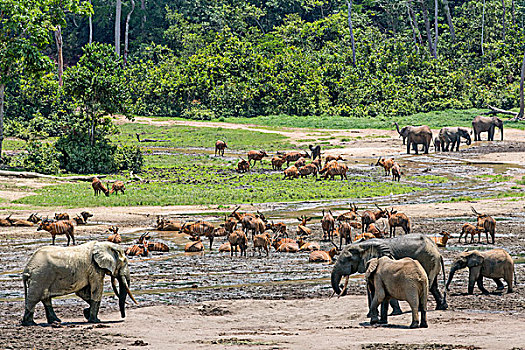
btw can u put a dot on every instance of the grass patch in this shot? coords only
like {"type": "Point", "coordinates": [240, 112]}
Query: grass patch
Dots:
{"type": "Point", "coordinates": [431, 179]}
{"type": "Point", "coordinates": [495, 178]}
{"type": "Point", "coordinates": [522, 181]}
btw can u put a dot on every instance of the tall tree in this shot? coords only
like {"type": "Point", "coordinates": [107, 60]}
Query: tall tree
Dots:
{"type": "Point", "coordinates": [513, 12]}
{"type": "Point", "coordinates": [60, 57]}
{"type": "Point", "coordinates": [126, 32]}
{"type": "Point", "coordinates": [482, 29]}
{"type": "Point", "coordinates": [436, 32]}
{"type": "Point", "coordinates": [522, 103]}
{"type": "Point", "coordinates": [427, 27]}
{"type": "Point", "coordinates": [503, 17]}
{"type": "Point", "coordinates": [90, 26]}
{"type": "Point", "coordinates": [414, 34]}
{"type": "Point", "coordinates": [349, 5]}
{"type": "Point", "coordinates": [449, 20]}
{"type": "Point", "coordinates": [118, 13]}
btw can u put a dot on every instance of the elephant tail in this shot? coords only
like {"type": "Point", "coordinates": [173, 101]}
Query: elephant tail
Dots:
{"type": "Point", "coordinates": [443, 269]}
{"type": "Point", "coordinates": [25, 278]}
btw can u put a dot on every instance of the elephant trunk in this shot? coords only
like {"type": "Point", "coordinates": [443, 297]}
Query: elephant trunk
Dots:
{"type": "Point", "coordinates": [450, 276]}
{"type": "Point", "coordinates": [397, 127]}
{"type": "Point", "coordinates": [336, 279]}
{"type": "Point", "coordinates": [122, 296]}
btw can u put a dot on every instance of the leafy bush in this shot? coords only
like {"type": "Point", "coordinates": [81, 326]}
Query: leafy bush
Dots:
{"type": "Point", "coordinates": [198, 112]}
{"type": "Point", "coordinates": [41, 157]}
{"type": "Point", "coordinates": [129, 158]}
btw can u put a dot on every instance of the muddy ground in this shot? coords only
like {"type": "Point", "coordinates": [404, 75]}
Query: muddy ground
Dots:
{"type": "Point", "coordinates": [211, 300]}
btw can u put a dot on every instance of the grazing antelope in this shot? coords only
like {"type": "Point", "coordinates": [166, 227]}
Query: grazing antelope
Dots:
{"type": "Point", "coordinates": [243, 166]}
{"type": "Point", "coordinates": [201, 228]}
{"type": "Point", "coordinates": [300, 163]}
{"type": "Point", "coordinates": [291, 172]}
{"type": "Point", "coordinates": [469, 229]}
{"type": "Point", "coordinates": [238, 239]}
{"type": "Point", "coordinates": [396, 219]}
{"type": "Point", "coordinates": [318, 163]}
{"type": "Point", "coordinates": [370, 217]}
{"type": "Point", "coordinates": [441, 241]}
{"type": "Point", "coordinates": [349, 215]}
{"type": "Point", "coordinates": [396, 172]}
{"type": "Point", "coordinates": [34, 218]}
{"type": "Point", "coordinates": [322, 256]}
{"type": "Point", "coordinates": [277, 163]}
{"type": "Point", "coordinates": [193, 247]}
{"type": "Point", "coordinates": [316, 151]}
{"type": "Point", "coordinates": [387, 164]}
{"type": "Point", "coordinates": [333, 168]}
{"type": "Point", "coordinates": [328, 225]}
{"type": "Point", "coordinates": [61, 216]}
{"type": "Point", "coordinates": [302, 230]}
{"type": "Point", "coordinates": [308, 169]}
{"type": "Point", "coordinates": [99, 187]}
{"type": "Point", "coordinates": [262, 242]}
{"type": "Point", "coordinates": [294, 156]}
{"type": "Point", "coordinates": [344, 231]}
{"type": "Point", "coordinates": [58, 228]}
{"type": "Point", "coordinates": [219, 147]}
{"type": "Point", "coordinates": [118, 186]}
{"type": "Point", "coordinates": [330, 158]}
{"type": "Point", "coordinates": [115, 236]}
{"type": "Point", "coordinates": [307, 246]}
{"type": "Point", "coordinates": [256, 156]}
{"type": "Point", "coordinates": [487, 224]}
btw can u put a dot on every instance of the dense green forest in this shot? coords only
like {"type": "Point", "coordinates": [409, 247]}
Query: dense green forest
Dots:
{"type": "Point", "coordinates": [205, 59]}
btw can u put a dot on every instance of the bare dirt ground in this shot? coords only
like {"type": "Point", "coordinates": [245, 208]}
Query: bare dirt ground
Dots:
{"type": "Point", "coordinates": [210, 300]}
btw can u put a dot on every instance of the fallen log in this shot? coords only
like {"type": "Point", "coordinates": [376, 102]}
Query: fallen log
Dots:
{"type": "Point", "coordinates": [495, 110]}
{"type": "Point", "coordinates": [149, 140]}
{"type": "Point", "coordinates": [33, 175]}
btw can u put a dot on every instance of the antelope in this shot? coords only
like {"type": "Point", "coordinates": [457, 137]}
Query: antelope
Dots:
{"type": "Point", "coordinates": [487, 224]}
{"type": "Point", "coordinates": [168, 225]}
{"type": "Point", "coordinates": [230, 224]}
{"type": "Point", "coordinates": [19, 222]}
{"type": "Point", "coordinates": [349, 215]}
{"type": "Point", "coordinates": [300, 162]}
{"type": "Point", "coordinates": [469, 229]}
{"type": "Point", "coordinates": [277, 242]}
{"type": "Point", "coordinates": [34, 218]}
{"type": "Point", "coordinates": [158, 247]}
{"type": "Point", "coordinates": [226, 247]}
{"type": "Point", "coordinates": [364, 236]}
{"type": "Point", "coordinates": [387, 164]}
{"type": "Point", "coordinates": [220, 146]}
{"type": "Point", "coordinates": [260, 242]}
{"type": "Point", "coordinates": [237, 216]}
{"type": "Point", "coordinates": [308, 169]}
{"type": "Point", "coordinates": [201, 228]}
{"type": "Point", "coordinates": [220, 232]}
{"type": "Point", "coordinates": [396, 172]}
{"type": "Point", "coordinates": [288, 247]}
{"type": "Point", "coordinates": [140, 249]}
{"type": "Point", "coordinates": [61, 216]}
{"type": "Point", "coordinates": [316, 151]}
{"type": "Point", "coordinates": [115, 236]}
{"type": "Point", "coordinates": [441, 241]}
{"type": "Point", "coordinates": [58, 228]}
{"type": "Point", "coordinates": [256, 156]}
{"type": "Point", "coordinates": [291, 173]}
{"type": "Point", "coordinates": [117, 186]}
{"type": "Point", "coordinates": [6, 221]}
{"type": "Point", "coordinates": [99, 187]}
{"type": "Point", "coordinates": [318, 163]}
{"type": "Point", "coordinates": [193, 247]}
{"type": "Point", "coordinates": [243, 166]}
{"type": "Point", "coordinates": [330, 158]}
{"type": "Point", "coordinates": [302, 230]}
{"type": "Point", "coordinates": [370, 217]}
{"type": "Point", "coordinates": [307, 246]}
{"type": "Point", "coordinates": [328, 225]}
{"type": "Point", "coordinates": [374, 230]}
{"type": "Point", "coordinates": [277, 163]}
{"type": "Point", "coordinates": [238, 239]}
{"type": "Point", "coordinates": [344, 231]}
{"type": "Point", "coordinates": [257, 224]}
{"type": "Point", "coordinates": [333, 168]}
{"type": "Point", "coordinates": [279, 228]}
{"type": "Point", "coordinates": [86, 215]}
{"type": "Point", "coordinates": [396, 219]}
{"type": "Point", "coordinates": [294, 156]}
{"type": "Point", "coordinates": [322, 256]}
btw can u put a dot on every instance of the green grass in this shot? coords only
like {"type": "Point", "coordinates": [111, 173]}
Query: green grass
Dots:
{"type": "Point", "coordinates": [432, 179]}
{"type": "Point", "coordinates": [495, 178]}
{"type": "Point", "coordinates": [522, 181]}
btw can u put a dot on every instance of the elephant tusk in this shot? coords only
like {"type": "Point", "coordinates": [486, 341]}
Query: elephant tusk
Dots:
{"type": "Point", "coordinates": [344, 287]}
{"type": "Point", "coordinates": [331, 296]}
{"type": "Point", "coordinates": [114, 286]}
{"type": "Point", "coordinates": [129, 293]}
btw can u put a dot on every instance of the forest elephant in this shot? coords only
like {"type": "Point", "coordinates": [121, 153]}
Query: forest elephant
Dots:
{"type": "Point", "coordinates": [403, 279]}
{"type": "Point", "coordinates": [437, 144]}
{"type": "Point", "coordinates": [453, 135]}
{"type": "Point", "coordinates": [486, 124]}
{"type": "Point", "coordinates": [55, 271]}
{"type": "Point", "coordinates": [416, 135]}
{"type": "Point", "coordinates": [354, 257]}
{"type": "Point", "coordinates": [495, 264]}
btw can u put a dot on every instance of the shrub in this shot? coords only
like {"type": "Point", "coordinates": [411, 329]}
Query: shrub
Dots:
{"type": "Point", "coordinates": [129, 158]}
{"type": "Point", "coordinates": [41, 157]}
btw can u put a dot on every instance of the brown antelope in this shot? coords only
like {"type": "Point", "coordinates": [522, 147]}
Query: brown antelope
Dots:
{"type": "Point", "coordinates": [61, 216]}
{"type": "Point", "coordinates": [330, 158]}
{"type": "Point", "coordinates": [219, 147]}
{"type": "Point", "coordinates": [115, 236]}
{"type": "Point", "coordinates": [230, 224]}
{"type": "Point", "coordinates": [302, 230]}
{"type": "Point", "coordinates": [328, 225]}
{"type": "Point", "coordinates": [396, 172]}
{"type": "Point", "coordinates": [300, 162]}
{"type": "Point", "coordinates": [237, 216]}
{"type": "Point", "coordinates": [168, 225]}
{"type": "Point", "coordinates": [318, 163]}
{"type": "Point", "coordinates": [34, 218]}
{"type": "Point", "coordinates": [238, 239]}
{"type": "Point", "coordinates": [364, 236]}
{"type": "Point", "coordinates": [344, 231]}
{"type": "Point", "coordinates": [6, 221]}
{"type": "Point", "coordinates": [220, 232]}
{"type": "Point", "coordinates": [20, 222]}
{"type": "Point", "coordinates": [262, 242]}
{"type": "Point", "coordinates": [201, 228]}
{"type": "Point", "coordinates": [374, 230]}
{"type": "Point", "coordinates": [288, 247]}
{"type": "Point", "coordinates": [58, 228]}
{"type": "Point", "coordinates": [387, 164]}
{"type": "Point", "coordinates": [277, 163]}
{"type": "Point", "coordinates": [257, 224]}
{"type": "Point", "coordinates": [279, 228]}
{"type": "Point", "coordinates": [291, 173]}
{"type": "Point", "coordinates": [349, 215]}
{"type": "Point", "coordinates": [294, 156]}
{"type": "Point", "coordinates": [82, 218]}
{"type": "Point", "coordinates": [256, 156]}
{"type": "Point", "coordinates": [307, 246]}
{"type": "Point", "coordinates": [333, 169]}
{"type": "Point", "coordinates": [193, 247]}
{"type": "Point", "coordinates": [396, 219]}
{"type": "Point", "coordinates": [277, 242]}
{"type": "Point", "coordinates": [487, 224]}
{"type": "Point", "coordinates": [226, 247]}
{"type": "Point", "coordinates": [140, 249]}
{"type": "Point", "coordinates": [99, 187]}
{"type": "Point", "coordinates": [308, 169]}
{"type": "Point", "coordinates": [441, 241]}
{"type": "Point", "coordinates": [158, 247]}
{"type": "Point", "coordinates": [369, 217]}
{"type": "Point", "coordinates": [118, 186]}
{"type": "Point", "coordinates": [322, 256]}
{"type": "Point", "coordinates": [243, 166]}
{"type": "Point", "coordinates": [469, 229]}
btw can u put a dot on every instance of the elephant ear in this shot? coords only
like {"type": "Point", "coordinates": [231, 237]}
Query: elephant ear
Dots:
{"type": "Point", "coordinates": [474, 259]}
{"type": "Point", "coordinates": [107, 257]}
{"type": "Point", "coordinates": [372, 266]}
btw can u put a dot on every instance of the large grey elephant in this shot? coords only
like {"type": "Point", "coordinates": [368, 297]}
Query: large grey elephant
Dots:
{"type": "Point", "coordinates": [55, 271]}
{"type": "Point", "coordinates": [494, 264]}
{"type": "Point", "coordinates": [416, 135]}
{"type": "Point", "coordinates": [453, 135]}
{"type": "Point", "coordinates": [354, 257]}
{"type": "Point", "coordinates": [486, 124]}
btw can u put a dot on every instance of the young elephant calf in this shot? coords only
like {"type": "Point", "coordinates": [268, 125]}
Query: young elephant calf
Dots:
{"type": "Point", "coordinates": [403, 279]}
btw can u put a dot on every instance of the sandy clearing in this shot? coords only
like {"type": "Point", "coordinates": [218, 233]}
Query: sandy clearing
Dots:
{"type": "Point", "coordinates": [304, 324]}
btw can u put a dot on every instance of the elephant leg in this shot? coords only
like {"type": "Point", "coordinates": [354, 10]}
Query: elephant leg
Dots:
{"type": "Point", "coordinates": [441, 303]}
{"type": "Point", "coordinates": [211, 242]}
{"type": "Point", "coordinates": [509, 278]}
{"type": "Point", "coordinates": [85, 294]}
{"type": "Point", "coordinates": [93, 315]}
{"type": "Point", "coordinates": [457, 145]}
{"type": "Point", "coordinates": [408, 147]}
{"type": "Point", "coordinates": [379, 295]}
{"type": "Point", "coordinates": [499, 284]}
{"type": "Point", "coordinates": [384, 311]}
{"type": "Point", "coordinates": [68, 239]}
{"type": "Point", "coordinates": [50, 313]}
{"type": "Point", "coordinates": [396, 309]}
{"type": "Point", "coordinates": [480, 285]}
{"type": "Point", "coordinates": [29, 313]}
{"type": "Point", "coordinates": [414, 305]}
{"type": "Point", "coordinates": [472, 278]}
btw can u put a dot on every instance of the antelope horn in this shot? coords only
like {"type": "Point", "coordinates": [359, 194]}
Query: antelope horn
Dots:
{"type": "Point", "coordinates": [377, 206]}
{"type": "Point", "coordinates": [474, 211]}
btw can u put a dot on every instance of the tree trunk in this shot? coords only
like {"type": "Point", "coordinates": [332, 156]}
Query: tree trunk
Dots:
{"type": "Point", "coordinates": [2, 96]}
{"type": "Point", "coordinates": [482, 28]}
{"type": "Point", "coordinates": [503, 19]}
{"type": "Point", "coordinates": [90, 27]}
{"type": "Point", "coordinates": [427, 27]}
{"type": "Point", "coordinates": [118, 12]}
{"type": "Point", "coordinates": [143, 8]}
{"type": "Point", "coordinates": [513, 12]}
{"type": "Point", "coordinates": [436, 28]}
{"type": "Point", "coordinates": [126, 33]}
{"type": "Point", "coordinates": [414, 20]}
{"type": "Point", "coordinates": [449, 20]}
{"type": "Point", "coordinates": [60, 58]}
{"type": "Point", "coordinates": [522, 105]}
{"type": "Point", "coordinates": [414, 35]}
{"type": "Point", "coordinates": [349, 5]}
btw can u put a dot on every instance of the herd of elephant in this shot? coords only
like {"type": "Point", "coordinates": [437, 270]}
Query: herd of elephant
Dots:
{"type": "Point", "coordinates": [448, 137]}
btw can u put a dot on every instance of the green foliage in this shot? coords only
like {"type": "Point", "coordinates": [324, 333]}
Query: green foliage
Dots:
{"type": "Point", "coordinates": [41, 157]}
{"type": "Point", "coordinates": [129, 158]}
